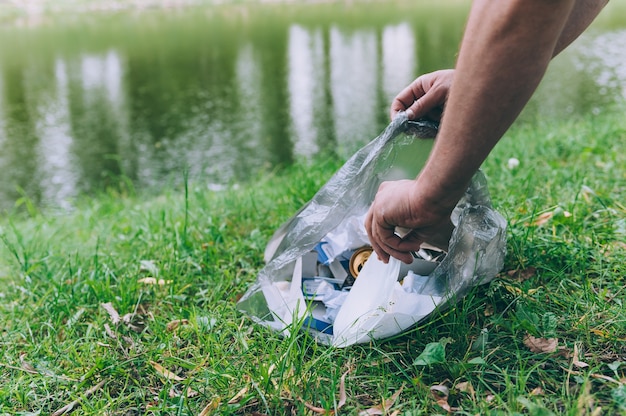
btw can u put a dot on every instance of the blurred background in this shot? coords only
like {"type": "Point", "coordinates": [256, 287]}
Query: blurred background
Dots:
{"type": "Point", "coordinates": [98, 93]}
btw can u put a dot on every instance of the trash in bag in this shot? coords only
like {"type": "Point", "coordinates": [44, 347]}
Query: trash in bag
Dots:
{"type": "Point", "coordinates": [322, 276]}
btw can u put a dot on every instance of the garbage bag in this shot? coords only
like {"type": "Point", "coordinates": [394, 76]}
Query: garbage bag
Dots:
{"type": "Point", "coordinates": [320, 278]}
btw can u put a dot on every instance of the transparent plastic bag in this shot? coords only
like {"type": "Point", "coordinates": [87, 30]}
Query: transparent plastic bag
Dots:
{"type": "Point", "coordinates": [385, 299]}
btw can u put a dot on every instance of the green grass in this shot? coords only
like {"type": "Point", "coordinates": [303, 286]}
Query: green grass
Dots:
{"type": "Point", "coordinates": [57, 341]}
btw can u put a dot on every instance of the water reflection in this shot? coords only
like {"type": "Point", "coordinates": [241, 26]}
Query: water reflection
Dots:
{"type": "Point", "coordinates": [398, 60]}
{"type": "Point", "coordinates": [59, 183]}
{"type": "Point", "coordinates": [224, 102]}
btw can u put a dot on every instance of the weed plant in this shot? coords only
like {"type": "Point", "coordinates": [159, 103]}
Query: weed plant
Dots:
{"type": "Point", "coordinates": [127, 305]}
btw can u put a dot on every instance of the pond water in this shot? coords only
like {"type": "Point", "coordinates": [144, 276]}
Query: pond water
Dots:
{"type": "Point", "coordinates": [225, 93]}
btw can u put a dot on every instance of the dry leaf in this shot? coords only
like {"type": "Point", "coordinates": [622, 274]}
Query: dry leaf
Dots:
{"type": "Point", "coordinates": [210, 407]}
{"type": "Point", "coordinates": [440, 393]}
{"type": "Point", "coordinates": [540, 345]}
{"type": "Point", "coordinates": [522, 275]}
{"type": "Point", "coordinates": [70, 407]}
{"type": "Point", "coordinates": [191, 393]}
{"type": "Point", "coordinates": [318, 410]}
{"type": "Point", "coordinates": [165, 372]}
{"type": "Point", "coordinates": [537, 391]}
{"type": "Point", "coordinates": [340, 404]}
{"type": "Point", "coordinates": [109, 332]}
{"type": "Point", "coordinates": [238, 396]}
{"type": "Point", "coordinates": [384, 407]}
{"type": "Point", "coordinates": [607, 378]}
{"type": "Point", "coordinates": [26, 366]}
{"type": "Point", "coordinates": [466, 387]}
{"type": "Point", "coordinates": [342, 391]}
{"type": "Point", "coordinates": [115, 317]}
{"type": "Point", "coordinates": [575, 361]}
{"type": "Point", "coordinates": [176, 323]}
{"type": "Point", "coordinates": [571, 372]}
{"type": "Point", "coordinates": [543, 218]}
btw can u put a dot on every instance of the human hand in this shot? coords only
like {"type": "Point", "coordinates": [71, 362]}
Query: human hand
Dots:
{"type": "Point", "coordinates": [403, 204]}
{"type": "Point", "coordinates": [424, 97]}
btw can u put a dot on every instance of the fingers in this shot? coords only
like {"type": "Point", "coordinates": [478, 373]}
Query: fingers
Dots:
{"type": "Point", "coordinates": [425, 96]}
{"type": "Point", "coordinates": [430, 101]}
{"type": "Point", "coordinates": [370, 227]}
{"type": "Point", "coordinates": [385, 242]}
{"type": "Point", "coordinates": [406, 98]}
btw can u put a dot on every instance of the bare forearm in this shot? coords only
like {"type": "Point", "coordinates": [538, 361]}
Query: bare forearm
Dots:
{"type": "Point", "coordinates": [504, 54]}
{"type": "Point", "coordinates": [580, 18]}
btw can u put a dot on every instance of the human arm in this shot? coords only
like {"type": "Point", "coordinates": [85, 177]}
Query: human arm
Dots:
{"type": "Point", "coordinates": [427, 94]}
{"type": "Point", "coordinates": [504, 54]}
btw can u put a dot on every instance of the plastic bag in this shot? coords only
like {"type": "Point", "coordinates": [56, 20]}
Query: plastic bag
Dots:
{"type": "Point", "coordinates": [385, 299]}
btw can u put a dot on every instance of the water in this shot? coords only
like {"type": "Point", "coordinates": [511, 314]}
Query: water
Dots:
{"type": "Point", "coordinates": [226, 93]}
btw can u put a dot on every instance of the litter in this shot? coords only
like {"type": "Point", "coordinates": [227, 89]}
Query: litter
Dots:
{"type": "Point", "coordinates": [320, 274]}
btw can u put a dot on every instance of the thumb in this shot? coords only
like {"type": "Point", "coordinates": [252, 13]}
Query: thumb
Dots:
{"type": "Point", "coordinates": [433, 99]}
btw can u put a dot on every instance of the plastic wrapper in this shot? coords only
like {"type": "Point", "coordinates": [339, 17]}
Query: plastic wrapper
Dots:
{"type": "Point", "coordinates": [303, 287]}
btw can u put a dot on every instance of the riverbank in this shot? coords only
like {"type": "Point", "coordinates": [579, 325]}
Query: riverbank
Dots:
{"type": "Point", "coordinates": [35, 12]}
{"type": "Point", "coordinates": [127, 304]}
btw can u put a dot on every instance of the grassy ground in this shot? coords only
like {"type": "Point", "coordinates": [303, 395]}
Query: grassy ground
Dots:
{"type": "Point", "coordinates": [79, 327]}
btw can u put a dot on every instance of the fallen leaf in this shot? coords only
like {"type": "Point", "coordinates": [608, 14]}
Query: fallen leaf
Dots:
{"type": "Point", "coordinates": [599, 332]}
{"type": "Point", "coordinates": [171, 326]}
{"type": "Point", "coordinates": [165, 372]}
{"type": "Point", "coordinates": [235, 399]}
{"type": "Point", "coordinates": [440, 393]}
{"type": "Point", "coordinates": [342, 399]}
{"type": "Point", "coordinates": [587, 193]}
{"type": "Point", "coordinates": [376, 363]}
{"type": "Point", "coordinates": [607, 378]}
{"type": "Point", "coordinates": [571, 372]}
{"type": "Point", "coordinates": [213, 404]}
{"type": "Point", "coordinates": [466, 387]}
{"type": "Point", "coordinates": [191, 393]}
{"type": "Point", "coordinates": [537, 391]}
{"type": "Point", "coordinates": [26, 366]}
{"type": "Point", "coordinates": [522, 275]}
{"type": "Point", "coordinates": [575, 361]}
{"type": "Point", "coordinates": [113, 314]}
{"type": "Point", "coordinates": [318, 410]}
{"type": "Point", "coordinates": [514, 290]}
{"type": "Point", "coordinates": [384, 407]}
{"type": "Point", "coordinates": [342, 391]}
{"type": "Point", "coordinates": [70, 407]}
{"type": "Point", "coordinates": [540, 345]}
{"type": "Point", "coordinates": [543, 218]}
{"type": "Point", "coordinates": [109, 332]}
